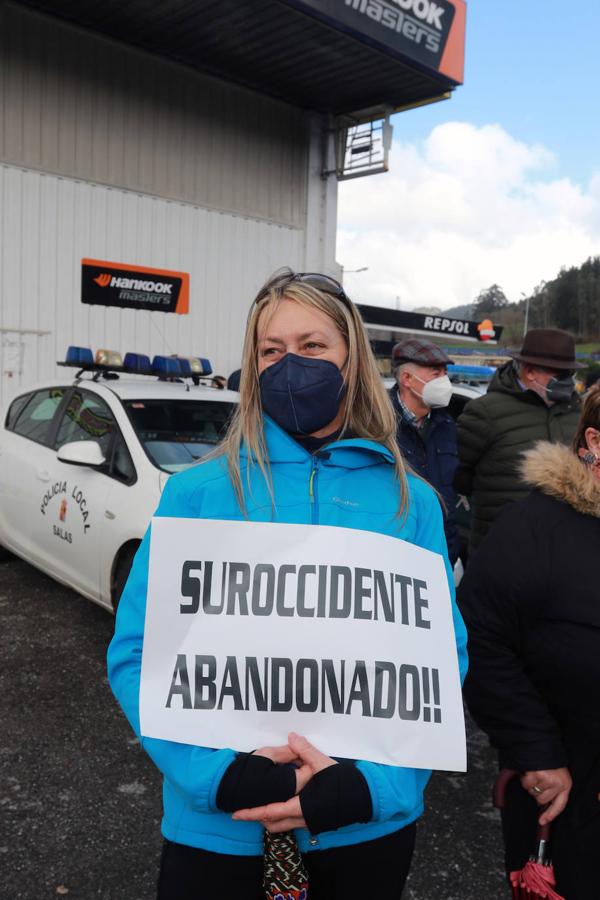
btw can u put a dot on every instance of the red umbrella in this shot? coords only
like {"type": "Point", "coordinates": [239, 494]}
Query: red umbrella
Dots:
{"type": "Point", "coordinates": [535, 881]}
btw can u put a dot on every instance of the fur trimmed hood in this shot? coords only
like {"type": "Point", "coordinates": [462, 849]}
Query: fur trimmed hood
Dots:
{"type": "Point", "coordinates": [555, 470]}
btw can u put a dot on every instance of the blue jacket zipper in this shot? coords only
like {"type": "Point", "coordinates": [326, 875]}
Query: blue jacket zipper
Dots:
{"type": "Point", "coordinates": [312, 490]}
{"type": "Point", "coordinates": [314, 502]}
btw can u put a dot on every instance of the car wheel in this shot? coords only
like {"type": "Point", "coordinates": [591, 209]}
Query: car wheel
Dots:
{"type": "Point", "coordinates": [121, 571]}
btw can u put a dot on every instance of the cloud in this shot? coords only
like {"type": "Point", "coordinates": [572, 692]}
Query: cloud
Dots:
{"type": "Point", "coordinates": [469, 207]}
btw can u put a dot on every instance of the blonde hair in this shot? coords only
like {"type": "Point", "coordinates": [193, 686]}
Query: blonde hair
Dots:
{"type": "Point", "coordinates": [368, 412]}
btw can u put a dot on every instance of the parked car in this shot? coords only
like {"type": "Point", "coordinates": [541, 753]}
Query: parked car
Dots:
{"type": "Point", "coordinates": [83, 462]}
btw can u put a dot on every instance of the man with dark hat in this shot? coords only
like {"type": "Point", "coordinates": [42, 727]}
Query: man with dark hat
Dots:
{"type": "Point", "coordinates": [531, 398]}
{"type": "Point", "coordinates": [426, 432]}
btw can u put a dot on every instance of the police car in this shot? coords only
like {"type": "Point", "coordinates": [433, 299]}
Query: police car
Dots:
{"type": "Point", "coordinates": [83, 461]}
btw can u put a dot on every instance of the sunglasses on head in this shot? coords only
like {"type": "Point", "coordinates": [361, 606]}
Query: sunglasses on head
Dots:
{"type": "Point", "coordinates": [313, 279]}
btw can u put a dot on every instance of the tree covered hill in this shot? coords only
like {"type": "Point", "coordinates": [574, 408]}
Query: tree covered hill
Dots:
{"type": "Point", "coordinates": [570, 301]}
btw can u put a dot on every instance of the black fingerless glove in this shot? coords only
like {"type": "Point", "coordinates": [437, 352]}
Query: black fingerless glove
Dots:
{"type": "Point", "coordinates": [255, 781]}
{"type": "Point", "coordinates": [336, 796]}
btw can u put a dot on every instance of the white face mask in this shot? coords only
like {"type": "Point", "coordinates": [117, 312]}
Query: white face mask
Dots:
{"type": "Point", "coordinates": [437, 393]}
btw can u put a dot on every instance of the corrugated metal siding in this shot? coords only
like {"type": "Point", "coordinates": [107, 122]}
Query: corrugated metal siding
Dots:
{"type": "Point", "coordinates": [78, 105]}
{"type": "Point", "coordinates": [48, 223]}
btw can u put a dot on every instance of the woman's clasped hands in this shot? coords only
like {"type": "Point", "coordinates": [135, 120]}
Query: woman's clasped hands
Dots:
{"type": "Point", "coordinates": [276, 817]}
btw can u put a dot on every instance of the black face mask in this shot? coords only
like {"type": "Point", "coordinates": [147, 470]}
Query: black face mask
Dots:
{"type": "Point", "coordinates": [301, 394]}
{"type": "Point", "coordinates": [560, 389]}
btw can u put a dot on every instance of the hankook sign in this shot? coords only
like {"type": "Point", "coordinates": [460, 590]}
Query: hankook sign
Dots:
{"type": "Point", "coordinates": [418, 29]}
{"type": "Point", "coordinates": [134, 287]}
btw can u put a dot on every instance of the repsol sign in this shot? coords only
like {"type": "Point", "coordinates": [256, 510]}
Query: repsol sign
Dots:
{"type": "Point", "coordinates": [384, 323]}
{"type": "Point", "coordinates": [418, 29]}
{"type": "Point", "coordinates": [136, 287]}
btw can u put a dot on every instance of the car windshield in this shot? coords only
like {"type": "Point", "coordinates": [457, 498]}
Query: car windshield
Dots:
{"type": "Point", "coordinates": [176, 433]}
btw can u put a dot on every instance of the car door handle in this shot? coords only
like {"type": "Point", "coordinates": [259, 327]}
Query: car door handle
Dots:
{"type": "Point", "coordinates": [43, 474]}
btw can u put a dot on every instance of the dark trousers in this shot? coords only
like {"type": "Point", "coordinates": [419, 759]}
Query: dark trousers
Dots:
{"type": "Point", "coordinates": [372, 869]}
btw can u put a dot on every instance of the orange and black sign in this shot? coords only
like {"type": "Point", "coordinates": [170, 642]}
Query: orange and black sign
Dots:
{"type": "Point", "coordinates": [428, 32]}
{"type": "Point", "coordinates": [134, 287]}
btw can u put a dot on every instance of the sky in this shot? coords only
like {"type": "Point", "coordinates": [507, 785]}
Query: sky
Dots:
{"type": "Point", "coordinates": [499, 184]}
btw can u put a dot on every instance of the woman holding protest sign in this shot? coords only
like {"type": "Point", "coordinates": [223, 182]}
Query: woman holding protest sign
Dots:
{"type": "Point", "coordinates": [312, 443]}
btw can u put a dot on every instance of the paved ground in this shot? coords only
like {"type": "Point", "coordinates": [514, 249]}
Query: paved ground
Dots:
{"type": "Point", "coordinates": [80, 804]}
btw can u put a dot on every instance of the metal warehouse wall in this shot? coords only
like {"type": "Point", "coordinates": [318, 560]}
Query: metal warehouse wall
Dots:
{"type": "Point", "coordinates": [110, 153]}
{"type": "Point", "coordinates": [47, 224]}
{"type": "Point", "coordinates": [80, 105]}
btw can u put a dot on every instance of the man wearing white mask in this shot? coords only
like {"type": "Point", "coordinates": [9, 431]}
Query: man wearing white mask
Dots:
{"type": "Point", "coordinates": [426, 432]}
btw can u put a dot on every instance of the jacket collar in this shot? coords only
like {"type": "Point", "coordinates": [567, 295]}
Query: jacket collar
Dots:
{"type": "Point", "coordinates": [555, 470]}
{"type": "Point", "coordinates": [505, 381]}
{"type": "Point", "coordinates": [351, 453]}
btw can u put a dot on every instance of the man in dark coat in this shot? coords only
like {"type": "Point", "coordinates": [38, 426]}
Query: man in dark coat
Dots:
{"type": "Point", "coordinates": [426, 433]}
{"type": "Point", "coordinates": [530, 398]}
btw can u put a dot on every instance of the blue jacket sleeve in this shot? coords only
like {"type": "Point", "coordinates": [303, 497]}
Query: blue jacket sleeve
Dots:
{"type": "Point", "coordinates": [396, 790]}
{"type": "Point", "coordinates": [195, 772]}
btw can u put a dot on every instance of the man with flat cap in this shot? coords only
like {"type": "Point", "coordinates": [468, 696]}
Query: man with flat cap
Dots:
{"type": "Point", "coordinates": [531, 398]}
{"type": "Point", "coordinates": [426, 433]}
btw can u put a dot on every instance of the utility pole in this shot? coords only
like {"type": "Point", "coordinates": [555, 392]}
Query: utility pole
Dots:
{"type": "Point", "coordinates": [526, 322]}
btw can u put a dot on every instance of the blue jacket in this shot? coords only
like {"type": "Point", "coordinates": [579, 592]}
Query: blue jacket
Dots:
{"type": "Point", "coordinates": [433, 455]}
{"type": "Point", "coordinates": [350, 484]}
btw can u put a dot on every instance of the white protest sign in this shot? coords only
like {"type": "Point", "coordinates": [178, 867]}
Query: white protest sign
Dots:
{"type": "Point", "coordinates": [256, 629]}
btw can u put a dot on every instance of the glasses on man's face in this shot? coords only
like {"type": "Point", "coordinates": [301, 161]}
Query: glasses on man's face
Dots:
{"type": "Point", "coordinates": [312, 279]}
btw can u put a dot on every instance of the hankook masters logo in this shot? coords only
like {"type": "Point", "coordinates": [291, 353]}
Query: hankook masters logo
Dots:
{"type": "Point", "coordinates": [136, 287]}
{"type": "Point", "coordinates": [425, 23]}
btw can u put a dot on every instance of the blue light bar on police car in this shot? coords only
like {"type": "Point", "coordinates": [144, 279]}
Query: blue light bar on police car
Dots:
{"type": "Point", "coordinates": [483, 371]}
{"type": "Point", "coordinates": [166, 367]}
{"type": "Point", "coordinates": [189, 365]}
{"type": "Point", "coordinates": [79, 356]}
{"type": "Point", "coordinates": [137, 363]}
{"type": "Point", "coordinates": [193, 367]}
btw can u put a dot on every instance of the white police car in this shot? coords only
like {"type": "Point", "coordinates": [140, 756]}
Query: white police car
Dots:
{"type": "Point", "coordinates": [83, 461]}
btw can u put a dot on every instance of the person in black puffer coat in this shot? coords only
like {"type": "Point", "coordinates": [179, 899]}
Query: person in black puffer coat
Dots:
{"type": "Point", "coordinates": [531, 602]}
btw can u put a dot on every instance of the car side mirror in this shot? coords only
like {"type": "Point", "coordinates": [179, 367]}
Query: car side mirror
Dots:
{"type": "Point", "coordinates": [81, 453]}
